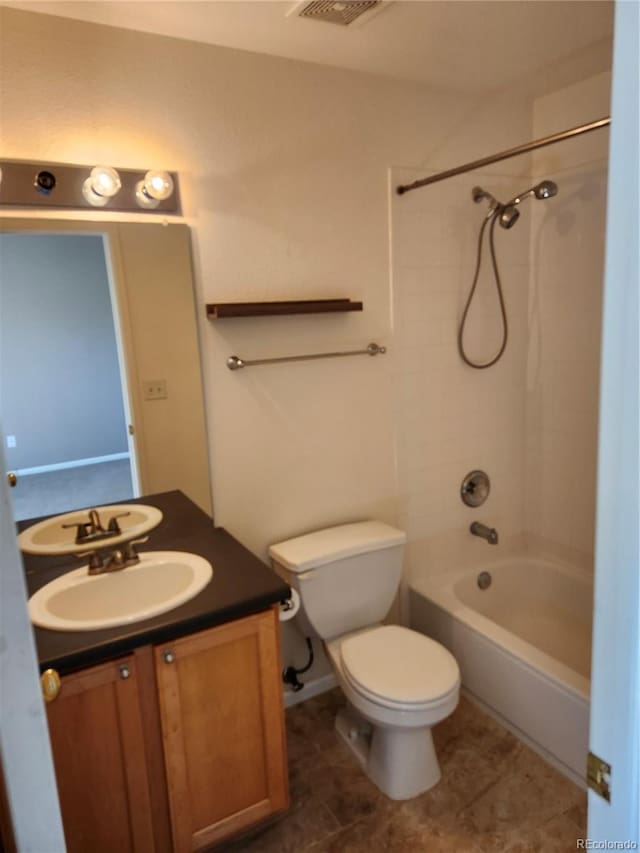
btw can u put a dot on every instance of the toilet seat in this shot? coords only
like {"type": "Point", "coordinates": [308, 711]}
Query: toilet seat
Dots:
{"type": "Point", "coordinates": [399, 668]}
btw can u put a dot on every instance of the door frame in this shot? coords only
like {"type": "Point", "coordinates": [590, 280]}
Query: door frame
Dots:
{"type": "Point", "coordinates": [122, 327]}
{"type": "Point", "coordinates": [25, 750]}
{"type": "Point", "coordinates": [615, 699]}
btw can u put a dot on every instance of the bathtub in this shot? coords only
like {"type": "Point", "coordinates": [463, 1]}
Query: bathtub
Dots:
{"type": "Point", "coordinates": [523, 646]}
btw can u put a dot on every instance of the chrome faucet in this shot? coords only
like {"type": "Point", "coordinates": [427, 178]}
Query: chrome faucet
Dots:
{"type": "Point", "coordinates": [488, 533]}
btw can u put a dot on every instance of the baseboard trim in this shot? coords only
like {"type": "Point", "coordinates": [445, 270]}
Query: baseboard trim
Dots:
{"type": "Point", "coordinates": [310, 689]}
{"type": "Point", "coordinates": [72, 463]}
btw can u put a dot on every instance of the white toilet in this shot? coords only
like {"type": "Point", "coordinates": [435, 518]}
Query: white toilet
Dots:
{"type": "Point", "coordinates": [398, 682]}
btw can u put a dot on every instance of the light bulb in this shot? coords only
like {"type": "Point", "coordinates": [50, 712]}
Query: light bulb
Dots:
{"type": "Point", "coordinates": [156, 187]}
{"type": "Point", "coordinates": [102, 184]}
{"type": "Point", "coordinates": [143, 199]}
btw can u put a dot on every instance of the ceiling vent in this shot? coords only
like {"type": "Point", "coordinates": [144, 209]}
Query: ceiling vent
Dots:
{"type": "Point", "coordinates": [343, 12]}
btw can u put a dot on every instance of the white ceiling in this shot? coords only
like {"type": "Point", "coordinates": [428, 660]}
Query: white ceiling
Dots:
{"type": "Point", "coordinates": [473, 46]}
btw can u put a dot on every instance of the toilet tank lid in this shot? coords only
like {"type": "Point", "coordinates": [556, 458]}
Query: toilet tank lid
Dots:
{"type": "Point", "coordinates": [335, 543]}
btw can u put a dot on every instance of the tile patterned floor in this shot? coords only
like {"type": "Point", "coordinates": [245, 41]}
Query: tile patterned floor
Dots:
{"type": "Point", "coordinates": [495, 796]}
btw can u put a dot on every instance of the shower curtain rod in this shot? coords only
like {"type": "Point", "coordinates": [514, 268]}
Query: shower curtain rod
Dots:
{"type": "Point", "coordinates": [504, 155]}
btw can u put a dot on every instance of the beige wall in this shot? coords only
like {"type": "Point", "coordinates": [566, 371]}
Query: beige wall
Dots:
{"type": "Point", "coordinates": [284, 174]}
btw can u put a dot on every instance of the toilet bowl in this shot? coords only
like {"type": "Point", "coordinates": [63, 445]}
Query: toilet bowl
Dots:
{"type": "Point", "coordinates": [397, 682]}
{"type": "Point", "coordinates": [400, 683]}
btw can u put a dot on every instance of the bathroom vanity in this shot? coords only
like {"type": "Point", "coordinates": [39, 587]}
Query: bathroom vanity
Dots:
{"type": "Point", "coordinates": [168, 734]}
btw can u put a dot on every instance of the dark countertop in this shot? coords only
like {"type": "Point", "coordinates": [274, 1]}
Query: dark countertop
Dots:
{"type": "Point", "coordinates": [241, 585]}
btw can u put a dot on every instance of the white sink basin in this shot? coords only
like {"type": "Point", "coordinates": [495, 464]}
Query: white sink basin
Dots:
{"type": "Point", "coordinates": [77, 601]}
{"type": "Point", "coordinates": [50, 537]}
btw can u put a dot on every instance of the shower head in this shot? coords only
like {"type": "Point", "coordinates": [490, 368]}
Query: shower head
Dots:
{"type": "Point", "coordinates": [543, 190]}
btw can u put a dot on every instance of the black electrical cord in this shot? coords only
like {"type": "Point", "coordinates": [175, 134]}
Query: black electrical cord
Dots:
{"type": "Point", "coordinates": [290, 674]}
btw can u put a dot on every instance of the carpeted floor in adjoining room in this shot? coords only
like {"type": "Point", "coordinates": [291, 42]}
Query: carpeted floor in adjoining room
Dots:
{"type": "Point", "coordinates": [71, 488]}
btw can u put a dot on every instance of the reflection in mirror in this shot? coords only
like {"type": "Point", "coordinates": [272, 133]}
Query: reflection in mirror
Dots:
{"type": "Point", "coordinates": [63, 394]}
{"type": "Point", "coordinates": [100, 384]}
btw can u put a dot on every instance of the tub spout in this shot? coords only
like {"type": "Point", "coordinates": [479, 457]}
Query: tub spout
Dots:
{"type": "Point", "coordinates": [488, 533]}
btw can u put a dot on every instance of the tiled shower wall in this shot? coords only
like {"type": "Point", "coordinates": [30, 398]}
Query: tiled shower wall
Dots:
{"type": "Point", "coordinates": [530, 421]}
{"type": "Point", "coordinates": [451, 418]}
{"type": "Point", "coordinates": [565, 299]}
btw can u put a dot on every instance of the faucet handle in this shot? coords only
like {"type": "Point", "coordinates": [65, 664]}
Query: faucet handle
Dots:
{"type": "Point", "coordinates": [113, 526]}
{"type": "Point", "coordinates": [82, 531]}
{"type": "Point", "coordinates": [130, 552]}
{"type": "Point", "coordinates": [96, 563]}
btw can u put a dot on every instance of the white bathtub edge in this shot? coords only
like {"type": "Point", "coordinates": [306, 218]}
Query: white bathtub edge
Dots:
{"type": "Point", "coordinates": [558, 672]}
{"type": "Point", "coordinates": [553, 716]}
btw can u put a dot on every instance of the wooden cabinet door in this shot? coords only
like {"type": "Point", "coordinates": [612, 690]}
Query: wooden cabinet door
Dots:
{"type": "Point", "coordinates": [96, 735]}
{"type": "Point", "coordinates": [223, 728]}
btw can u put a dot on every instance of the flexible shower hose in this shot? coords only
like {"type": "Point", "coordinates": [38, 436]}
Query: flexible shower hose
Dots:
{"type": "Point", "coordinates": [503, 310]}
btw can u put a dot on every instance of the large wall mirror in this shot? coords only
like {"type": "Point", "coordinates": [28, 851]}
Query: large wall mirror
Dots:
{"type": "Point", "coordinates": [100, 383]}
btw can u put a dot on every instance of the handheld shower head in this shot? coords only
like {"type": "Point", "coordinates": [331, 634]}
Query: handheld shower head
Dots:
{"type": "Point", "coordinates": [509, 215]}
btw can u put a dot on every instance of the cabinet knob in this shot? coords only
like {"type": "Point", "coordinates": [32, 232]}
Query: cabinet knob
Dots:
{"type": "Point", "coordinates": [168, 656]}
{"type": "Point", "coordinates": [50, 684]}
{"type": "Point", "coordinates": [124, 670]}
{"type": "Point", "coordinates": [12, 479]}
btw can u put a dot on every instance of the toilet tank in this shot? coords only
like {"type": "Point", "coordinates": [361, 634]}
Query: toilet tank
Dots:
{"type": "Point", "coordinates": [347, 576]}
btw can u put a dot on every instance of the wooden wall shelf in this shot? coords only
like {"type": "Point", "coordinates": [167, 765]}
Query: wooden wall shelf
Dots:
{"type": "Point", "coordinates": [220, 310]}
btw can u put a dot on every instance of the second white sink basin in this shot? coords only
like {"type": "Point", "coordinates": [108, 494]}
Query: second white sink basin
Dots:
{"type": "Point", "coordinates": [51, 537]}
{"type": "Point", "coordinates": [77, 601]}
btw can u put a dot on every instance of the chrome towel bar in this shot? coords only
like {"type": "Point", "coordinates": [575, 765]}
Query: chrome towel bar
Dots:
{"type": "Point", "coordinates": [235, 363]}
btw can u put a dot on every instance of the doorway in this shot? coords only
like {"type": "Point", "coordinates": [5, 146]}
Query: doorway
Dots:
{"type": "Point", "coordinates": [63, 382]}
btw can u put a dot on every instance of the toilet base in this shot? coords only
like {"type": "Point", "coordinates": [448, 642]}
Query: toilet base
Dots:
{"type": "Point", "coordinates": [356, 732]}
{"type": "Point", "coordinates": [401, 762]}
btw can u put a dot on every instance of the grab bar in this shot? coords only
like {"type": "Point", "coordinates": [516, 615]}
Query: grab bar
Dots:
{"type": "Point", "coordinates": [234, 362]}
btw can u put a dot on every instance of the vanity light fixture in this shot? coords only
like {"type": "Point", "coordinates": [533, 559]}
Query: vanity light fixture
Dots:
{"type": "Point", "coordinates": [44, 182]}
{"type": "Point", "coordinates": [154, 188]}
{"type": "Point", "coordinates": [102, 184]}
{"type": "Point", "coordinates": [66, 185]}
